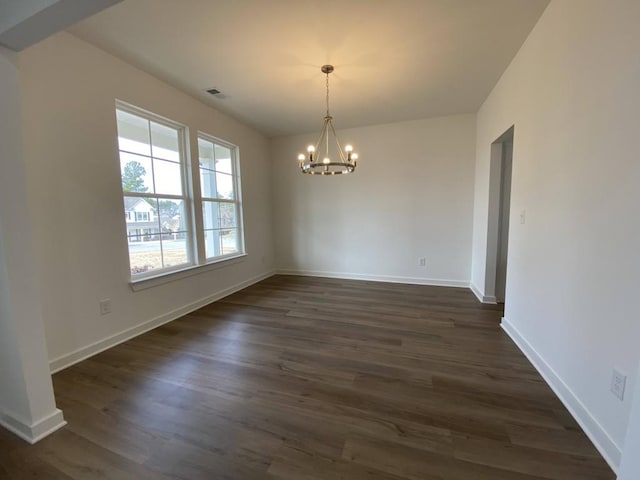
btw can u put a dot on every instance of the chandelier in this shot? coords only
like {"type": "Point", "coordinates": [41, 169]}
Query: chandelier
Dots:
{"type": "Point", "coordinates": [318, 161]}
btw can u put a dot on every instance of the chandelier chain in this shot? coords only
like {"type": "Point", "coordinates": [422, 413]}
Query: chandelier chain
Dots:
{"type": "Point", "coordinates": [327, 94]}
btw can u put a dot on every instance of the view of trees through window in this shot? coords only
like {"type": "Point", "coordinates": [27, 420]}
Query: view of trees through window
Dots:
{"type": "Point", "coordinates": [143, 257]}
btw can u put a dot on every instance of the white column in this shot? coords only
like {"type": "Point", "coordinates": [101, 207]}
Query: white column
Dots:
{"type": "Point", "coordinates": [27, 404]}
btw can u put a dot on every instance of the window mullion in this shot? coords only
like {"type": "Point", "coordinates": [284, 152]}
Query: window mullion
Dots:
{"type": "Point", "coordinates": [185, 151]}
{"type": "Point", "coordinates": [196, 192]}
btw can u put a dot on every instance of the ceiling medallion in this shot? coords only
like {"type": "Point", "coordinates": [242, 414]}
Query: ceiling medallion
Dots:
{"type": "Point", "coordinates": [317, 161]}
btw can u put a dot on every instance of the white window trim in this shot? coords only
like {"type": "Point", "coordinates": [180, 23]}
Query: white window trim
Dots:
{"type": "Point", "coordinates": [163, 278]}
{"type": "Point", "coordinates": [235, 170]}
{"type": "Point", "coordinates": [192, 198]}
{"type": "Point", "coordinates": [187, 196]}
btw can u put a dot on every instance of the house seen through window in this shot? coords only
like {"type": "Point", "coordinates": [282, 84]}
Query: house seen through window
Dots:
{"type": "Point", "coordinates": [160, 209]}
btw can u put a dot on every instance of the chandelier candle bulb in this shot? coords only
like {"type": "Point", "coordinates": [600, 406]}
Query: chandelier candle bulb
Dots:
{"type": "Point", "coordinates": [344, 164]}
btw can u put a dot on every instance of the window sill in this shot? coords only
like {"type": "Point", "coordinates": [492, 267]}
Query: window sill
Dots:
{"type": "Point", "coordinates": [161, 279]}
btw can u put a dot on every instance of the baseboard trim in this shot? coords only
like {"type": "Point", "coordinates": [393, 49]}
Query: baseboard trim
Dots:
{"type": "Point", "coordinates": [35, 432]}
{"type": "Point", "coordinates": [476, 291]}
{"type": "Point", "coordinates": [483, 298]}
{"type": "Point", "coordinates": [378, 278]}
{"type": "Point", "coordinates": [64, 361]}
{"type": "Point", "coordinates": [611, 452]}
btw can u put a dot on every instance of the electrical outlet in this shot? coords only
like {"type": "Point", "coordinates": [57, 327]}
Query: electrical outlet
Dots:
{"type": "Point", "coordinates": [422, 262]}
{"type": "Point", "coordinates": [105, 306]}
{"type": "Point", "coordinates": [618, 384]}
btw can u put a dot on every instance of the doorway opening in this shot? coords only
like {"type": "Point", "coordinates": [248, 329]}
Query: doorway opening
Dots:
{"type": "Point", "coordinates": [498, 221]}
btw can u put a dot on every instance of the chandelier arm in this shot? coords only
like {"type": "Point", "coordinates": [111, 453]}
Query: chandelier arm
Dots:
{"type": "Point", "coordinates": [327, 137]}
{"type": "Point", "coordinates": [323, 133]}
{"type": "Point", "coordinates": [340, 151]}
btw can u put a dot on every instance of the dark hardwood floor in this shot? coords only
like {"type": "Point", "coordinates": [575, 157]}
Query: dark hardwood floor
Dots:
{"type": "Point", "coordinates": [309, 378]}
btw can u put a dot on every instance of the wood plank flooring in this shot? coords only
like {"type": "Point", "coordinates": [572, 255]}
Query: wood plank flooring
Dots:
{"type": "Point", "coordinates": [308, 378]}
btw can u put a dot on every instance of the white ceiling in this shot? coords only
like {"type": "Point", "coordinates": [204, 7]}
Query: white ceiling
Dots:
{"type": "Point", "coordinates": [395, 59]}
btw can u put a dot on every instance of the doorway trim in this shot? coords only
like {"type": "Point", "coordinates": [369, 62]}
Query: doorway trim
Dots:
{"type": "Point", "coordinates": [494, 218]}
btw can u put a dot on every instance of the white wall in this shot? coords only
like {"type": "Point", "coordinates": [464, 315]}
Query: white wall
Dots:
{"type": "Point", "coordinates": [69, 88]}
{"type": "Point", "coordinates": [411, 196]}
{"type": "Point", "coordinates": [572, 93]}
{"type": "Point", "coordinates": [27, 406]}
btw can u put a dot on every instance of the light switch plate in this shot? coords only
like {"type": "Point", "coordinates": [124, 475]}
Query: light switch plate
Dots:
{"type": "Point", "coordinates": [618, 384]}
{"type": "Point", "coordinates": [105, 306]}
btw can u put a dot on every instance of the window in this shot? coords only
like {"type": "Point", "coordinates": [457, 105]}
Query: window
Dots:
{"type": "Point", "coordinates": [220, 198]}
{"type": "Point", "coordinates": [161, 210]}
{"type": "Point", "coordinates": [152, 165]}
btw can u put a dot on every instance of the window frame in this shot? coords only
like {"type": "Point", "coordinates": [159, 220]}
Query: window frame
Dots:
{"type": "Point", "coordinates": [192, 199]}
{"type": "Point", "coordinates": [187, 193]}
{"type": "Point", "coordinates": [237, 199]}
